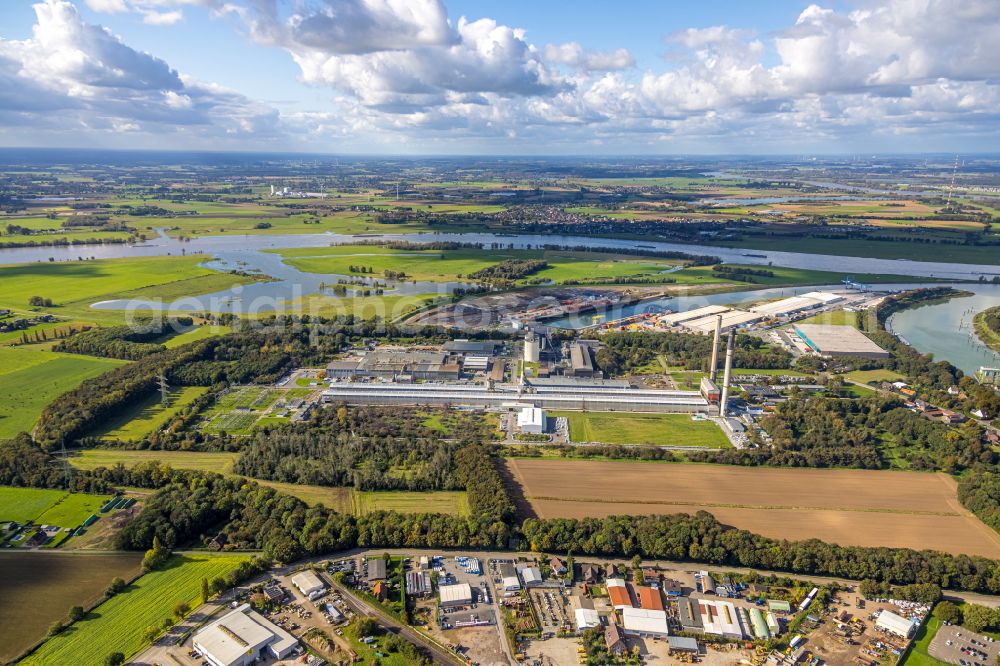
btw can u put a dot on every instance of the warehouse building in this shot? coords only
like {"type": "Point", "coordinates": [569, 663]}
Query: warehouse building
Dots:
{"type": "Point", "coordinates": [720, 618]}
{"type": "Point", "coordinates": [474, 364]}
{"type": "Point", "coordinates": [459, 594]}
{"type": "Point", "coordinates": [482, 397]}
{"type": "Point", "coordinates": [242, 637]}
{"type": "Point", "coordinates": [560, 382]}
{"type": "Point", "coordinates": [677, 318]}
{"type": "Point", "coordinates": [508, 577]}
{"type": "Point", "coordinates": [731, 319]}
{"type": "Point", "coordinates": [689, 615]}
{"type": "Point", "coordinates": [531, 576]}
{"type": "Point", "coordinates": [308, 582]}
{"type": "Point", "coordinates": [683, 644]}
{"type": "Point", "coordinates": [586, 618]}
{"type": "Point", "coordinates": [476, 347]}
{"type": "Point", "coordinates": [376, 569]}
{"type": "Point", "coordinates": [581, 362]}
{"type": "Point", "coordinates": [895, 624]}
{"type": "Point", "coordinates": [839, 341]}
{"type": "Point", "coordinates": [532, 421]}
{"type": "Point", "coordinates": [418, 583]}
{"type": "Point", "coordinates": [645, 623]}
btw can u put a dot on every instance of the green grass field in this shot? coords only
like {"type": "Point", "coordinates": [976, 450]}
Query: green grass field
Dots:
{"type": "Point", "coordinates": [454, 503]}
{"type": "Point", "coordinates": [72, 510]}
{"type": "Point", "coordinates": [30, 379]}
{"type": "Point", "coordinates": [118, 624]}
{"type": "Point", "coordinates": [879, 375]}
{"type": "Point", "coordinates": [917, 655]}
{"type": "Point", "coordinates": [150, 415]}
{"type": "Point", "coordinates": [23, 504]}
{"type": "Point", "coordinates": [962, 254]}
{"type": "Point", "coordinates": [696, 275]}
{"type": "Point", "coordinates": [90, 459]}
{"type": "Point", "coordinates": [447, 265]}
{"type": "Point", "coordinates": [74, 285]}
{"type": "Point", "coordinates": [194, 334]}
{"type": "Point", "coordinates": [653, 429]}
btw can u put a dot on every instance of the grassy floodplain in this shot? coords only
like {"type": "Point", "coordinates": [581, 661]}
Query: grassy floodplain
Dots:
{"type": "Point", "coordinates": [30, 379]}
{"type": "Point", "coordinates": [118, 624]}
{"type": "Point", "coordinates": [653, 429]}
{"type": "Point", "coordinates": [74, 285]}
{"type": "Point", "coordinates": [447, 265]}
{"type": "Point", "coordinates": [960, 254]}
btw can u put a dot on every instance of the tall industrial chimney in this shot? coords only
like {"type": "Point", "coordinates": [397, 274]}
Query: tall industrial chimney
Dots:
{"type": "Point", "coordinates": [715, 349]}
{"type": "Point", "coordinates": [723, 403]}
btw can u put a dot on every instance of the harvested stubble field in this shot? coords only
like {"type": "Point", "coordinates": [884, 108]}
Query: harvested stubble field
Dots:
{"type": "Point", "coordinates": [847, 507]}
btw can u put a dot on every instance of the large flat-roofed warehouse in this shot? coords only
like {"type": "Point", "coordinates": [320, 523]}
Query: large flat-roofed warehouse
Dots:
{"type": "Point", "coordinates": [580, 360]}
{"type": "Point", "coordinates": [730, 319]}
{"type": "Point", "coordinates": [796, 304]}
{"type": "Point", "coordinates": [475, 347]}
{"type": "Point", "coordinates": [838, 341]}
{"type": "Point", "coordinates": [241, 637]}
{"type": "Point", "coordinates": [391, 363]}
{"type": "Point", "coordinates": [676, 318]}
{"type": "Point", "coordinates": [459, 594]}
{"type": "Point", "coordinates": [580, 398]}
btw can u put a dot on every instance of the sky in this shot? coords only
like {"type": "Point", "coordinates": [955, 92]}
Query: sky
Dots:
{"type": "Point", "coordinates": [513, 77]}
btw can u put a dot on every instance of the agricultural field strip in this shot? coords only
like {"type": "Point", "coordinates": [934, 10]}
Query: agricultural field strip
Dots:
{"type": "Point", "coordinates": [727, 505]}
{"type": "Point", "coordinates": [867, 491]}
{"type": "Point", "coordinates": [867, 507]}
{"type": "Point", "coordinates": [119, 622]}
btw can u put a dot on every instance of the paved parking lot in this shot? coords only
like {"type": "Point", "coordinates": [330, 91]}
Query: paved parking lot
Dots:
{"type": "Point", "coordinates": [956, 645]}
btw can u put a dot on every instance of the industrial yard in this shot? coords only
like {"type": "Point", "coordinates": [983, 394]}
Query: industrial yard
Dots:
{"type": "Point", "coordinates": [848, 507]}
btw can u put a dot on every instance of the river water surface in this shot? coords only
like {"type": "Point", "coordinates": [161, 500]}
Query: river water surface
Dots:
{"type": "Point", "coordinates": [943, 330]}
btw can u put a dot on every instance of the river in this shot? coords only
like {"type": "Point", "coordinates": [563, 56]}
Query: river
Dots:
{"type": "Point", "coordinates": [946, 330]}
{"type": "Point", "coordinates": [938, 329]}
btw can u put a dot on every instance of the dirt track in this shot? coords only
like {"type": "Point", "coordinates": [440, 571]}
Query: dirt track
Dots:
{"type": "Point", "coordinates": [850, 507]}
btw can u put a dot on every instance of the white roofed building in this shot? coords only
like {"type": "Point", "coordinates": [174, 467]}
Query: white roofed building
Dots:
{"type": "Point", "coordinates": [308, 582]}
{"type": "Point", "coordinates": [531, 576]}
{"type": "Point", "coordinates": [455, 595]}
{"type": "Point", "coordinates": [645, 622]}
{"type": "Point", "coordinates": [895, 624]}
{"type": "Point", "coordinates": [531, 420]}
{"type": "Point", "coordinates": [241, 637]}
{"type": "Point", "coordinates": [587, 618]}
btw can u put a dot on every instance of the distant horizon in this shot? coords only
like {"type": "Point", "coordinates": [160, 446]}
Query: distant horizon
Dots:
{"type": "Point", "coordinates": [553, 156]}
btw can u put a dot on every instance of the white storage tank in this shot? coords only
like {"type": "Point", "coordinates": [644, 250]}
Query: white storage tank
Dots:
{"type": "Point", "coordinates": [531, 349]}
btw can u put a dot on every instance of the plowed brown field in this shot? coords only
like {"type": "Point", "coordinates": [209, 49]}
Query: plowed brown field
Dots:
{"type": "Point", "coordinates": [848, 507]}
